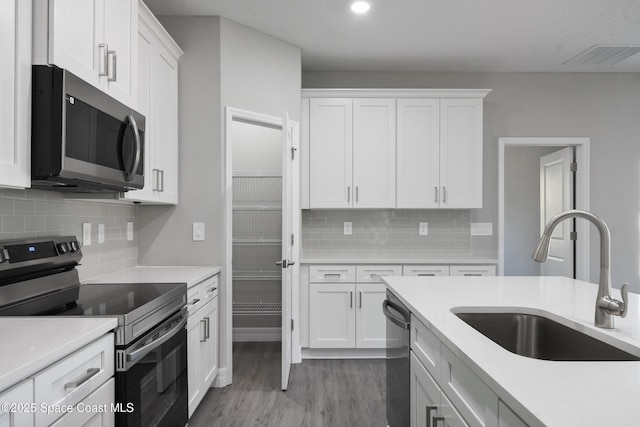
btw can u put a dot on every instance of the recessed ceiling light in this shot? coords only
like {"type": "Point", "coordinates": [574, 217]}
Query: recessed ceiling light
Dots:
{"type": "Point", "coordinates": [360, 7]}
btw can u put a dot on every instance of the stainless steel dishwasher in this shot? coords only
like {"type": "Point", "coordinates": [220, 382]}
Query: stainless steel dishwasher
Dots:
{"type": "Point", "coordinates": [397, 361]}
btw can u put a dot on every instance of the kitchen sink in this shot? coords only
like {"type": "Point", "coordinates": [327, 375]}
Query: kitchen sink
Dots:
{"type": "Point", "coordinates": [539, 337]}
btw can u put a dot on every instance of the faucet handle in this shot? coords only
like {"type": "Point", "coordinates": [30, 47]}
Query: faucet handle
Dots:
{"type": "Point", "coordinates": [625, 298]}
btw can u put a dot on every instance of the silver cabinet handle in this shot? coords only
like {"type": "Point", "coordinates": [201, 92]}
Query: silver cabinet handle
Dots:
{"type": "Point", "coordinates": [154, 180]}
{"type": "Point", "coordinates": [436, 190]}
{"type": "Point", "coordinates": [472, 274]}
{"type": "Point", "coordinates": [204, 330]}
{"type": "Point", "coordinates": [348, 194]}
{"type": "Point", "coordinates": [91, 372]}
{"type": "Point", "coordinates": [426, 274]}
{"type": "Point", "coordinates": [357, 192]}
{"type": "Point", "coordinates": [360, 299]}
{"type": "Point", "coordinates": [114, 61]}
{"type": "Point", "coordinates": [103, 59]}
{"type": "Point", "coordinates": [207, 328]}
{"type": "Point", "coordinates": [332, 275]}
{"type": "Point", "coordinates": [212, 289]}
{"type": "Point", "coordinates": [161, 171]}
{"type": "Point", "coordinates": [195, 301]}
{"type": "Point", "coordinates": [351, 299]}
{"type": "Point", "coordinates": [429, 410]}
{"type": "Point", "coordinates": [436, 420]}
{"type": "Point", "coordinates": [444, 194]}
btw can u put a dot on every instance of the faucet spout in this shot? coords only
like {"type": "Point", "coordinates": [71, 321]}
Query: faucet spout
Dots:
{"type": "Point", "coordinates": [606, 306]}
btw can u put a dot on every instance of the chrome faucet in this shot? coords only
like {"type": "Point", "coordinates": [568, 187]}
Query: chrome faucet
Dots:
{"type": "Point", "coordinates": [606, 306]}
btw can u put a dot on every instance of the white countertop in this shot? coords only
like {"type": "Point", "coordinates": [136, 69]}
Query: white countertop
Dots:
{"type": "Point", "coordinates": [399, 259]}
{"type": "Point", "coordinates": [542, 392]}
{"type": "Point", "coordinates": [30, 344]}
{"type": "Point", "coordinates": [160, 274]}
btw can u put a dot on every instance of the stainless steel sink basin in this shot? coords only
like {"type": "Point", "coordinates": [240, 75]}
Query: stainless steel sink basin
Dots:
{"type": "Point", "coordinates": [538, 337]}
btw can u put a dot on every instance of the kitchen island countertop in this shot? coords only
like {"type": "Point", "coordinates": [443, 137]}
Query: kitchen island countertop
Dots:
{"type": "Point", "coordinates": [542, 392]}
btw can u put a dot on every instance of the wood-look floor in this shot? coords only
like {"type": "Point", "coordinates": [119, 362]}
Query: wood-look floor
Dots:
{"type": "Point", "coordinates": [322, 393]}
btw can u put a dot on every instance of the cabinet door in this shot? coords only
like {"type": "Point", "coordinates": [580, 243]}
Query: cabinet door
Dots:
{"type": "Point", "coordinates": [15, 102]}
{"type": "Point", "coordinates": [461, 153]}
{"type": "Point", "coordinates": [371, 325]}
{"type": "Point", "coordinates": [75, 32]}
{"type": "Point", "coordinates": [332, 315]}
{"type": "Point", "coordinates": [120, 35]}
{"type": "Point", "coordinates": [195, 337]}
{"type": "Point", "coordinates": [374, 153]}
{"type": "Point", "coordinates": [424, 395]}
{"type": "Point", "coordinates": [209, 348]}
{"type": "Point", "coordinates": [418, 145]}
{"type": "Point", "coordinates": [165, 125]}
{"type": "Point", "coordinates": [330, 153]}
{"type": "Point", "coordinates": [19, 394]}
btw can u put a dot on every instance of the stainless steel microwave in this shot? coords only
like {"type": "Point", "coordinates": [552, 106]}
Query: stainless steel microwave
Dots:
{"type": "Point", "coordinates": [82, 140]}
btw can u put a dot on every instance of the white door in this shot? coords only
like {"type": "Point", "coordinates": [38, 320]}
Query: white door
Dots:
{"type": "Point", "coordinates": [288, 156]}
{"type": "Point", "coordinates": [374, 153]}
{"type": "Point", "coordinates": [556, 195]}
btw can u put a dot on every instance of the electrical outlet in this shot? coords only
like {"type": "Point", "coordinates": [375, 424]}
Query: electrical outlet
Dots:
{"type": "Point", "coordinates": [198, 231]}
{"type": "Point", "coordinates": [86, 234]}
{"type": "Point", "coordinates": [129, 231]}
{"type": "Point", "coordinates": [423, 228]}
{"type": "Point", "coordinates": [482, 229]}
{"type": "Point", "coordinates": [348, 228]}
{"type": "Point", "coordinates": [100, 233]}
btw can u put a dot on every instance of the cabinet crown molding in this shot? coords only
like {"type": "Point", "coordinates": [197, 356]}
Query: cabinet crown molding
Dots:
{"type": "Point", "coordinates": [394, 93]}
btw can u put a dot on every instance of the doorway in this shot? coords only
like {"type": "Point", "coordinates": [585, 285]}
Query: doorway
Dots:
{"type": "Point", "coordinates": [260, 234]}
{"type": "Point", "coordinates": [532, 172]}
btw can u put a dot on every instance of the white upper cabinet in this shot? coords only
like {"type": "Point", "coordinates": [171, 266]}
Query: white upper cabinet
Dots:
{"type": "Point", "coordinates": [418, 145]}
{"type": "Point", "coordinates": [352, 153]}
{"type": "Point", "coordinates": [157, 69]}
{"type": "Point", "coordinates": [15, 87]}
{"type": "Point", "coordinates": [393, 148]}
{"type": "Point", "coordinates": [93, 39]}
{"type": "Point", "coordinates": [461, 153]}
{"type": "Point", "coordinates": [374, 153]}
{"type": "Point", "coordinates": [331, 153]}
{"type": "Point", "coordinates": [439, 153]}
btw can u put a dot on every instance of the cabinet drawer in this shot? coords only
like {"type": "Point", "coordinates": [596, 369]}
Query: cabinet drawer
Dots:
{"type": "Point", "coordinates": [21, 394]}
{"type": "Point", "coordinates": [508, 418]}
{"type": "Point", "coordinates": [468, 393]}
{"type": "Point", "coordinates": [74, 377]}
{"type": "Point", "coordinates": [425, 270]}
{"type": "Point", "coordinates": [373, 273]}
{"type": "Point", "coordinates": [426, 347]}
{"type": "Point", "coordinates": [332, 273]}
{"type": "Point", "coordinates": [210, 288]}
{"type": "Point", "coordinates": [195, 298]}
{"type": "Point", "coordinates": [87, 413]}
{"type": "Point", "coordinates": [473, 270]}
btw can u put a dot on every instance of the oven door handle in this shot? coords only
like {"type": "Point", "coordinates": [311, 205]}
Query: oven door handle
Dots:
{"type": "Point", "coordinates": [393, 319]}
{"type": "Point", "coordinates": [143, 351]}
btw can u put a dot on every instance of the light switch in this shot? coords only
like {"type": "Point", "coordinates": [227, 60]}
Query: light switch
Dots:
{"type": "Point", "coordinates": [100, 233]}
{"type": "Point", "coordinates": [423, 228]}
{"type": "Point", "coordinates": [86, 234]}
{"type": "Point", "coordinates": [348, 229]}
{"type": "Point", "coordinates": [130, 231]}
{"type": "Point", "coordinates": [198, 231]}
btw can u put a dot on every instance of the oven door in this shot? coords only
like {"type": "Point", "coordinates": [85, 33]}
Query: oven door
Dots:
{"type": "Point", "coordinates": [397, 361]}
{"type": "Point", "coordinates": [152, 390]}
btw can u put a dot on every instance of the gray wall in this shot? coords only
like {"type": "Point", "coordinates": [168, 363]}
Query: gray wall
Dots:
{"type": "Point", "coordinates": [602, 106]}
{"type": "Point", "coordinates": [522, 208]}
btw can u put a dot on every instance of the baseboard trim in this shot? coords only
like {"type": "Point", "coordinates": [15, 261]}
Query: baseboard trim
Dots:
{"type": "Point", "coordinates": [343, 353]}
{"type": "Point", "coordinates": [221, 379]}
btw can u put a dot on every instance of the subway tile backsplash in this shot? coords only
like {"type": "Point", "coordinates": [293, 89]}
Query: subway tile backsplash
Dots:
{"type": "Point", "coordinates": [37, 213]}
{"type": "Point", "coordinates": [386, 232]}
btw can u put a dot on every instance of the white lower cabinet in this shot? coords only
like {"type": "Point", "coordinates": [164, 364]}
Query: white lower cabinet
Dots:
{"type": "Point", "coordinates": [20, 394]}
{"type": "Point", "coordinates": [446, 392]}
{"type": "Point", "coordinates": [429, 405]}
{"type": "Point", "coordinates": [93, 411]}
{"type": "Point", "coordinates": [202, 340]}
{"type": "Point", "coordinates": [332, 322]}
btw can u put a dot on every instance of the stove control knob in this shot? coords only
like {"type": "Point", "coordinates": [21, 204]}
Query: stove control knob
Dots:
{"type": "Point", "coordinates": [63, 248]}
{"type": "Point", "coordinates": [74, 246]}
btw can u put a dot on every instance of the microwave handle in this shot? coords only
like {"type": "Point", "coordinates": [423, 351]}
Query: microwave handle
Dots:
{"type": "Point", "coordinates": [136, 137]}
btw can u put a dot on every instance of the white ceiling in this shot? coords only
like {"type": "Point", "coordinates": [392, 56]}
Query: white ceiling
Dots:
{"type": "Point", "coordinates": [435, 35]}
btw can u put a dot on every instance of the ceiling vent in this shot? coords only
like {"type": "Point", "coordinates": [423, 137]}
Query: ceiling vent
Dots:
{"type": "Point", "coordinates": [602, 54]}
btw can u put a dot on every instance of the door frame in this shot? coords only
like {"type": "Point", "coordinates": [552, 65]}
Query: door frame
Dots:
{"type": "Point", "coordinates": [225, 373]}
{"type": "Point", "coordinates": [582, 145]}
